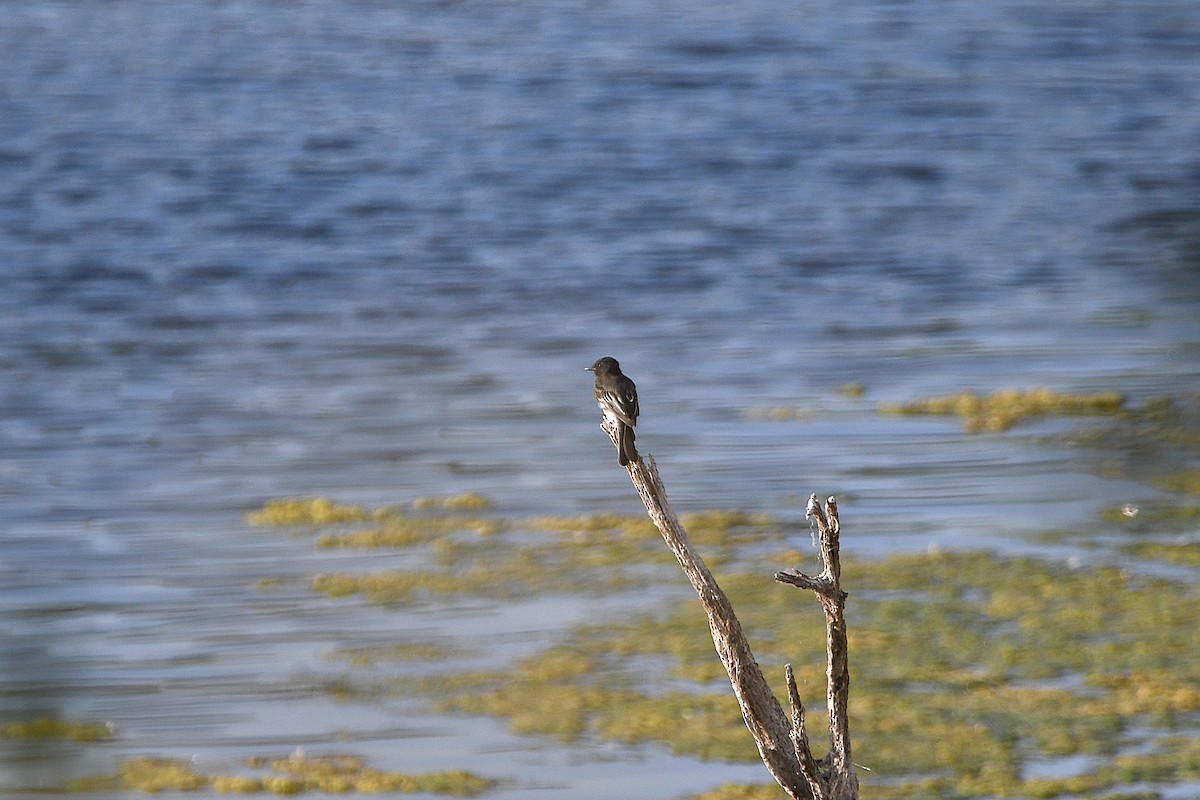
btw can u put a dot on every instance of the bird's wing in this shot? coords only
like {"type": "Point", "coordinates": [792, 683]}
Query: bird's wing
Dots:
{"type": "Point", "coordinates": [629, 404]}
{"type": "Point", "coordinates": [618, 403]}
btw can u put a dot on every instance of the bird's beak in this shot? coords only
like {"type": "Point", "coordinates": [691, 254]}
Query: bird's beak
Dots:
{"type": "Point", "coordinates": [589, 369]}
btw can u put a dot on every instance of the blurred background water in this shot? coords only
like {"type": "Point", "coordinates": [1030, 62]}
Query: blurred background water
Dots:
{"type": "Point", "coordinates": [365, 249]}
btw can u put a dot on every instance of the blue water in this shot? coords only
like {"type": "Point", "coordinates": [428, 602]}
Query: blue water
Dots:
{"type": "Point", "coordinates": [365, 249]}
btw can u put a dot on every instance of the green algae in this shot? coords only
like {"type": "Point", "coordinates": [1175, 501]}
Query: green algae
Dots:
{"type": "Point", "coordinates": [397, 527]}
{"type": "Point", "coordinates": [237, 784]}
{"type": "Point", "coordinates": [967, 667]}
{"type": "Point", "coordinates": [1153, 517]}
{"type": "Point", "coordinates": [1002, 410]}
{"type": "Point", "coordinates": [742, 791]}
{"type": "Point", "coordinates": [1187, 554]}
{"type": "Point", "coordinates": [593, 553]}
{"type": "Point", "coordinates": [298, 511]}
{"type": "Point", "coordinates": [626, 526]}
{"type": "Point", "coordinates": [45, 728]}
{"type": "Point", "coordinates": [467, 501]}
{"type": "Point", "coordinates": [606, 551]}
{"type": "Point", "coordinates": [340, 774]}
{"type": "Point", "coordinates": [385, 588]}
{"type": "Point", "coordinates": [410, 651]}
{"type": "Point", "coordinates": [723, 527]}
{"type": "Point", "coordinates": [400, 530]}
{"type": "Point", "coordinates": [1156, 443]}
{"type": "Point", "coordinates": [296, 774]}
{"type": "Point", "coordinates": [1185, 481]}
{"type": "Point", "coordinates": [144, 774]}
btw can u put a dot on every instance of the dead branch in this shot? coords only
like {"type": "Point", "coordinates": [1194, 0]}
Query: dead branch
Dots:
{"type": "Point", "coordinates": [782, 743]}
{"type": "Point", "coordinates": [839, 778]}
{"type": "Point", "coordinates": [760, 708]}
{"type": "Point", "coordinates": [808, 764]}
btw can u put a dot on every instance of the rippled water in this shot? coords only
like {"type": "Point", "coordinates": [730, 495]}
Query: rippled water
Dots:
{"type": "Point", "coordinates": [366, 249]}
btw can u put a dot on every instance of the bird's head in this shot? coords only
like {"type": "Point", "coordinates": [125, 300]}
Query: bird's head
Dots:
{"type": "Point", "coordinates": [606, 364]}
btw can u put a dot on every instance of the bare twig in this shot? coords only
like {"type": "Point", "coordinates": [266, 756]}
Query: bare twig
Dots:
{"type": "Point", "coordinates": [808, 764]}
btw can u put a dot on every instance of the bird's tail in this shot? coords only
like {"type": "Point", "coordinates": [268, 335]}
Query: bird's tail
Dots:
{"type": "Point", "coordinates": [628, 453]}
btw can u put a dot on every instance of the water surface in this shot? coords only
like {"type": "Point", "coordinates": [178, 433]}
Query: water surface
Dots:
{"type": "Point", "coordinates": [364, 249]}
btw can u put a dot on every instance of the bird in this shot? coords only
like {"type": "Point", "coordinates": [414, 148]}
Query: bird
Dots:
{"type": "Point", "coordinates": [617, 397]}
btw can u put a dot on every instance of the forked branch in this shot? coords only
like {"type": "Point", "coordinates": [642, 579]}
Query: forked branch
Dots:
{"type": "Point", "coordinates": [782, 743]}
{"type": "Point", "coordinates": [840, 782]}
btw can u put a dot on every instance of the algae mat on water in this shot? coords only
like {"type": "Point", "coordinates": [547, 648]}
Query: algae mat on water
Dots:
{"type": "Point", "coordinates": [296, 774]}
{"type": "Point", "coordinates": [973, 675]}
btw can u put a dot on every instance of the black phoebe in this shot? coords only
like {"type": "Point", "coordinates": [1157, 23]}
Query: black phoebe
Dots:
{"type": "Point", "coordinates": [617, 397]}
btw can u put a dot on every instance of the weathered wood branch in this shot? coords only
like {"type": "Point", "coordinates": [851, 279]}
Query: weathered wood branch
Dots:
{"type": "Point", "coordinates": [808, 764]}
{"type": "Point", "coordinates": [782, 743]}
{"type": "Point", "coordinates": [761, 710]}
{"type": "Point", "coordinates": [839, 778]}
